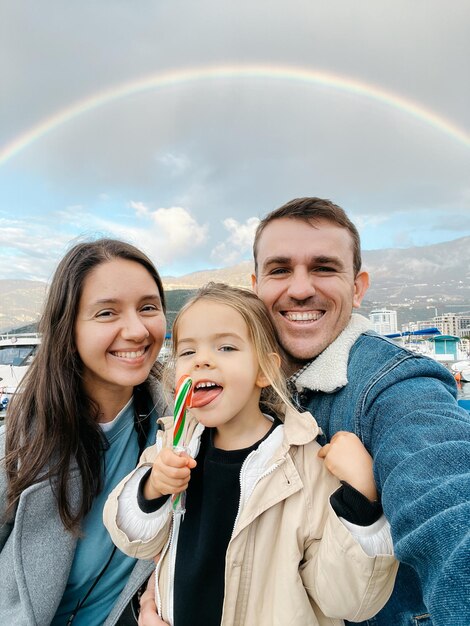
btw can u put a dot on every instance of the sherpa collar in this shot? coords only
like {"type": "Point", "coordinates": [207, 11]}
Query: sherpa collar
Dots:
{"type": "Point", "coordinates": [328, 371]}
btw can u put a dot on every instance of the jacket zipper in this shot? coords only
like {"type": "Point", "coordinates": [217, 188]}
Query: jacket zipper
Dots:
{"type": "Point", "coordinates": [172, 556]}
{"type": "Point", "coordinates": [158, 597]}
{"type": "Point", "coordinates": [270, 470]}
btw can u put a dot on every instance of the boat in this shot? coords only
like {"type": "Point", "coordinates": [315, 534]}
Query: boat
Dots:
{"type": "Point", "coordinates": [16, 354]}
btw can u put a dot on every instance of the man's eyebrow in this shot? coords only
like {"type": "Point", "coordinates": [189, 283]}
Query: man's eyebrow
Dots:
{"type": "Point", "coordinates": [276, 260]}
{"type": "Point", "coordinates": [316, 260]}
{"type": "Point", "coordinates": [328, 260]}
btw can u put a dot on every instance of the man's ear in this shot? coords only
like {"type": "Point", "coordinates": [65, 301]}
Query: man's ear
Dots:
{"type": "Point", "coordinates": [254, 284]}
{"type": "Point", "coordinates": [261, 380]}
{"type": "Point", "coordinates": [361, 285]}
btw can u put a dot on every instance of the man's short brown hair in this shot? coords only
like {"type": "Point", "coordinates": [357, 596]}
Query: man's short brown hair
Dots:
{"type": "Point", "coordinates": [311, 210]}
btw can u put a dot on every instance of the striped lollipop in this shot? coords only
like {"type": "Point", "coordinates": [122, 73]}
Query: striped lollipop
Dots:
{"type": "Point", "coordinates": [183, 397]}
{"type": "Point", "coordinates": [182, 401]}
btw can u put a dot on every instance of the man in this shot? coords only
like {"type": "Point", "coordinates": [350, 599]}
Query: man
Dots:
{"type": "Point", "coordinates": [402, 405]}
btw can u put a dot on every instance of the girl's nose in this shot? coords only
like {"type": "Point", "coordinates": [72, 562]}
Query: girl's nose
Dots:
{"type": "Point", "coordinates": [203, 361]}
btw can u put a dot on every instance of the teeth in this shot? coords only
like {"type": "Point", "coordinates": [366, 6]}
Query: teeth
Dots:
{"type": "Point", "coordinates": [129, 355]}
{"type": "Point", "coordinates": [302, 317]}
{"type": "Point", "coordinates": [205, 384]}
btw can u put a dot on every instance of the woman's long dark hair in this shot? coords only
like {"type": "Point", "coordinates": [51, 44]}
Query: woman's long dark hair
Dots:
{"type": "Point", "coordinates": [52, 423]}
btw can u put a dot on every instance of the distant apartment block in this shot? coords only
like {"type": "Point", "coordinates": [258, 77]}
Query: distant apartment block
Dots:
{"type": "Point", "coordinates": [453, 324]}
{"type": "Point", "coordinates": [384, 321]}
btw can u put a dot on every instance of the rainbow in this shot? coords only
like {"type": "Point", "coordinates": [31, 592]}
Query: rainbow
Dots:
{"type": "Point", "coordinates": [239, 71]}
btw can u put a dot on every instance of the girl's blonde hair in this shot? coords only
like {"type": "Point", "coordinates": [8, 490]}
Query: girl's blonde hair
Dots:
{"type": "Point", "coordinates": [261, 332]}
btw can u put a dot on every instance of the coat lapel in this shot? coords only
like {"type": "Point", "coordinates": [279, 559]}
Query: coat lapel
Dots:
{"type": "Point", "coordinates": [43, 550]}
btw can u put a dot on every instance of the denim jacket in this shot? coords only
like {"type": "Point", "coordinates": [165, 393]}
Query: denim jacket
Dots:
{"type": "Point", "coordinates": [403, 407]}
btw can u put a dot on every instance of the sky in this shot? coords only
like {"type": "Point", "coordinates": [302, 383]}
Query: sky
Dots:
{"type": "Point", "coordinates": [176, 125]}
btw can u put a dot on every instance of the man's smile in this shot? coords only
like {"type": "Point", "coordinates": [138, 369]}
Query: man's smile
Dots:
{"type": "Point", "coordinates": [302, 316]}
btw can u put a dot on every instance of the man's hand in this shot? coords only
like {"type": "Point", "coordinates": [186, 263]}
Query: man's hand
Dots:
{"type": "Point", "coordinates": [148, 609]}
{"type": "Point", "coordinates": [170, 474]}
{"type": "Point", "coordinates": [347, 459]}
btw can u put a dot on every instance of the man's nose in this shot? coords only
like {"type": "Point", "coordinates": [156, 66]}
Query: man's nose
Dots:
{"type": "Point", "coordinates": [301, 285]}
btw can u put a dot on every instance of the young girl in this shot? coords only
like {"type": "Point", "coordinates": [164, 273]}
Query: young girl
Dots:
{"type": "Point", "coordinates": [87, 407]}
{"type": "Point", "coordinates": [259, 542]}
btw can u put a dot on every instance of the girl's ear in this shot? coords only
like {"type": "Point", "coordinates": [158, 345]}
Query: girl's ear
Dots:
{"type": "Point", "coordinates": [261, 380]}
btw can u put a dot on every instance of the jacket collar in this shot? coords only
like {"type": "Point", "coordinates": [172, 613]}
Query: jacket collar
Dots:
{"type": "Point", "coordinates": [328, 371]}
{"type": "Point", "coordinates": [299, 428]}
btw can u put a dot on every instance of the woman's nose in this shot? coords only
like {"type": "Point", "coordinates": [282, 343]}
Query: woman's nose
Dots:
{"type": "Point", "coordinates": [134, 329]}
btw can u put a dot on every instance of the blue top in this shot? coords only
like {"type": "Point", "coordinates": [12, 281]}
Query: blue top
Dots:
{"type": "Point", "coordinates": [95, 546]}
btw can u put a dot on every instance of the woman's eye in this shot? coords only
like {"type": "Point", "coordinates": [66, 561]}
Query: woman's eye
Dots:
{"type": "Point", "coordinates": [149, 308]}
{"type": "Point", "coordinates": [106, 313]}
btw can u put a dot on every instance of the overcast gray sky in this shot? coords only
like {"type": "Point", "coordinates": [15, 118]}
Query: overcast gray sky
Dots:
{"type": "Point", "coordinates": [240, 107]}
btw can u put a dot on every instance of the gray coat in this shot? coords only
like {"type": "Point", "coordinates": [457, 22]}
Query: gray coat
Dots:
{"type": "Point", "coordinates": [36, 554]}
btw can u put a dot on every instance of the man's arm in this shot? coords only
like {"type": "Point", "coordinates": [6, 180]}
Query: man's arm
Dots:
{"type": "Point", "coordinates": [420, 442]}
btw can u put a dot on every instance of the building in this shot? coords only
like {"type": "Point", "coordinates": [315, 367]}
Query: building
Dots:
{"type": "Point", "coordinates": [384, 321]}
{"type": "Point", "coordinates": [446, 348]}
{"type": "Point", "coordinates": [453, 324]}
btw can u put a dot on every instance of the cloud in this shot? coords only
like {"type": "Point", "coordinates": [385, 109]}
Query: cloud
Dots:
{"type": "Point", "coordinates": [176, 164]}
{"type": "Point", "coordinates": [168, 235]}
{"type": "Point", "coordinates": [29, 250]}
{"type": "Point", "coordinates": [215, 153]}
{"type": "Point", "coordinates": [141, 210]}
{"type": "Point", "coordinates": [32, 249]}
{"type": "Point", "coordinates": [178, 228]}
{"type": "Point", "coordinates": [238, 243]}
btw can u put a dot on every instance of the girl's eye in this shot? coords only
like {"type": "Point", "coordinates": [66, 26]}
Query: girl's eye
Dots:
{"type": "Point", "coordinates": [227, 348]}
{"type": "Point", "coordinates": [185, 353]}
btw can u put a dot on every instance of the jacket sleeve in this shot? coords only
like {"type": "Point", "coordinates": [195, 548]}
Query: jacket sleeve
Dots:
{"type": "Point", "coordinates": [5, 526]}
{"type": "Point", "coordinates": [136, 533]}
{"type": "Point", "coordinates": [341, 578]}
{"type": "Point", "coordinates": [420, 440]}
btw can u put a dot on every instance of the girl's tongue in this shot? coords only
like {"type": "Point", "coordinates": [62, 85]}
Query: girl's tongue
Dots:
{"type": "Point", "coordinates": [204, 395]}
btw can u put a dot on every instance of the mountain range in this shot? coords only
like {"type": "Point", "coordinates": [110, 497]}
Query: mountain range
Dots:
{"type": "Point", "coordinates": [417, 282]}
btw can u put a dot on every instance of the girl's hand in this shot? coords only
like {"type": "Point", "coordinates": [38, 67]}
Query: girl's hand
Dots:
{"type": "Point", "coordinates": [347, 459]}
{"type": "Point", "coordinates": [170, 474]}
{"type": "Point", "coordinates": [148, 615]}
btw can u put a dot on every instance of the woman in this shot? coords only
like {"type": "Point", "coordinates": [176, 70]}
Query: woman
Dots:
{"type": "Point", "coordinates": [88, 406]}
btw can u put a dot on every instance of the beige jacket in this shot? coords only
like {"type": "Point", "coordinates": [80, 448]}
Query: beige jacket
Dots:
{"type": "Point", "coordinates": [290, 560]}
